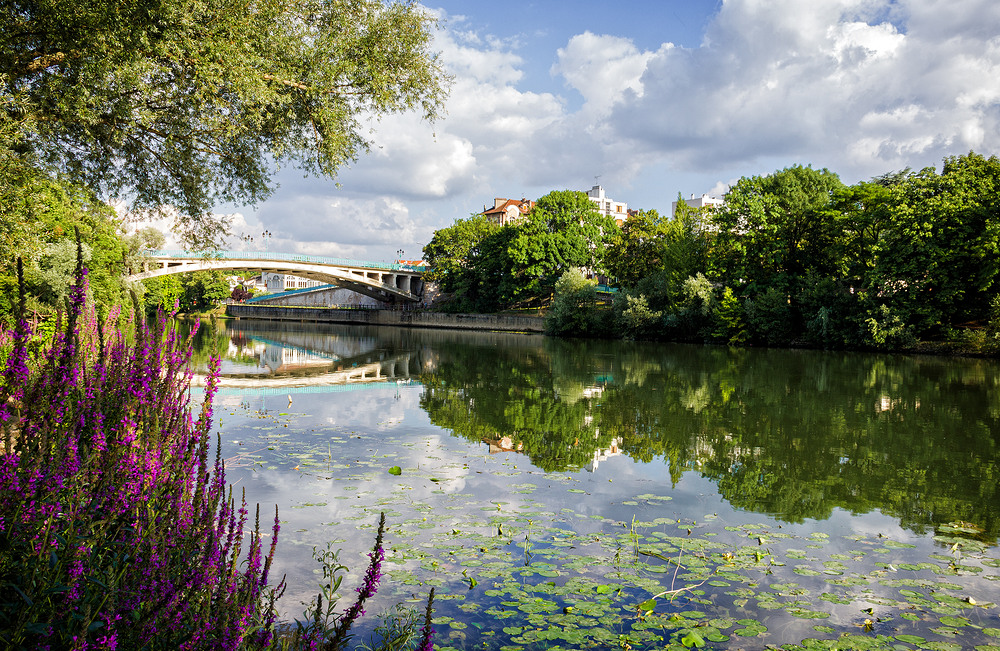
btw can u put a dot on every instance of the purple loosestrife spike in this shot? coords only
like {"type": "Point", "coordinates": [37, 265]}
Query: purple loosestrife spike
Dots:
{"type": "Point", "coordinates": [368, 588]}
{"type": "Point", "coordinates": [427, 633]}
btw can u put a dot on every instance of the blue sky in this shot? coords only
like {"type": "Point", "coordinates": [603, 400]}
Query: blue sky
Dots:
{"type": "Point", "coordinates": [654, 98]}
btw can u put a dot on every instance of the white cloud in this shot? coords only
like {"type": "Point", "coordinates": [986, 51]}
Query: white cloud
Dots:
{"type": "Point", "coordinates": [601, 68]}
{"type": "Point", "coordinates": [815, 83]}
{"type": "Point", "coordinates": [862, 87]}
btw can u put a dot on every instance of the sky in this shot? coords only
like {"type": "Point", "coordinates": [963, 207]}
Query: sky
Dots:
{"type": "Point", "coordinates": [651, 98]}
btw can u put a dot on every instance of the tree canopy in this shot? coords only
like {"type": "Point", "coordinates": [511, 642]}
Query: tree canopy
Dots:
{"type": "Point", "coordinates": [192, 103]}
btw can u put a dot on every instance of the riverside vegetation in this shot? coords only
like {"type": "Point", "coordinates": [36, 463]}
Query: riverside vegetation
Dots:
{"type": "Point", "coordinates": [117, 530]}
{"type": "Point", "coordinates": [795, 257]}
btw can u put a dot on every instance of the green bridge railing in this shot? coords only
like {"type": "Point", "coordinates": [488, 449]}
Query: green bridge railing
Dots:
{"type": "Point", "coordinates": [285, 257]}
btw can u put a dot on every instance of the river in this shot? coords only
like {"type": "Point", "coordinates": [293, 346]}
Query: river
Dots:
{"type": "Point", "coordinates": [573, 494]}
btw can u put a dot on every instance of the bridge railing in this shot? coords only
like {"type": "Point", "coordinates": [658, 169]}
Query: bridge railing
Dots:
{"type": "Point", "coordinates": [283, 257]}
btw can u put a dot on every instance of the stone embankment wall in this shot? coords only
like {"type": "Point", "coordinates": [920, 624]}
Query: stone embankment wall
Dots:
{"type": "Point", "coordinates": [409, 318]}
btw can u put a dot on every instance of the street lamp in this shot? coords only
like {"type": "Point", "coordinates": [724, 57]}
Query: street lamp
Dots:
{"type": "Point", "coordinates": [399, 255]}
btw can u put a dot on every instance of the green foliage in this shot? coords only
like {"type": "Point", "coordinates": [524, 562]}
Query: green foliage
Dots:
{"type": "Point", "coordinates": [636, 249]}
{"type": "Point", "coordinates": [888, 330]}
{"type": "Point", "coordinates": [476, 266]}
{"type": "Point", "coordinates": [772, 229]}
{"type": "Point", "coordinates": [194, 292]}
{"type": "Point", "coordinates": [938, 262]}
{"type": "Point", "coordinates": [831, 313]}
{"type": "Point", "coordinates": [45, 239]}
{"type": "Point", "coordinates": [574, 310]}
{"type": "Point", "coordinates": [218, 93]}
{"type": "Point", "coordinates": [635, 319]}
{"type": "Point", "coordinates": [203, 290]}
{"type": "Point", "coordinates": [564, 230]}
{"type": "Point", "coordinates": [796, 257]}
{"type": "Point", "coordinates": [769, 317]}
{"type": "Point", "coordinates": [453, 251]}
{"type": "Point", "coordinates": [163, 292]}
{"type": "Point", "coordinates": [729, 321]}
{"type": "Point", "coordinates": [50, 281]}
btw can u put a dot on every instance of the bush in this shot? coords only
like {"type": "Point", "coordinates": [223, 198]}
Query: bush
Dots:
{"type": "Point", "coordinates": [888, 330]}
{"type": "Point", "coordinates": [574, 310]}
{"type": "Point", "coordinates": [117, 530]}
{"type": "Point", "coordinates": [634, 317]}
{"type": "Point", "coordinates": [769, 318]}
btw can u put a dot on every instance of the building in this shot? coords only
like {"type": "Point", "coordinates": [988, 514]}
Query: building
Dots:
{"type": "Point", "coordinates": [284, 282]}
{"type": "Point", "coordinates": [507, 211]}
{"type": "Point", "coordinates": [698, 202]}
{"type": "Point", "coordinates": [616, 210]}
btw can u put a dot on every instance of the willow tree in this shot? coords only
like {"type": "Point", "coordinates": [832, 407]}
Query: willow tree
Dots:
{"type": "Point", "coordinates": [189, 103]}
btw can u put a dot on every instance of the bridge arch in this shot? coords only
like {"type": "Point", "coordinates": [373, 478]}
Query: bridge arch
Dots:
{"type": "Point", "coordinates": [390, 282]}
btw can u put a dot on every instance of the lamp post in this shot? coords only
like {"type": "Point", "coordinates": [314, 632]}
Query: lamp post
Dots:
{"type": "Point", "coordinates": [399, 255]}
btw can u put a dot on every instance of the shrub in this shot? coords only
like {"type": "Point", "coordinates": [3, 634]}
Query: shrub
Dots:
{"type": "Point", "coordinates": [116, 529]}
{"type": "Point", "coordinates": [575, 310]}
{"type": "Point", "coordinates": [769, 318]}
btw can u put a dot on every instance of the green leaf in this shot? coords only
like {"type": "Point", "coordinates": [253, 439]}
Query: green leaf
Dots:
{"type": "Point", "coordinates": [396, 470]}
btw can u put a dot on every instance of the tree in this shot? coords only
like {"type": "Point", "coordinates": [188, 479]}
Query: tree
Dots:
{"type": "Point", "coordinates": [574, 310]}
{"type": "Point", "coordinates": [939, 260]}
{"type": "Point", "coordinates": [563, 230]}
{"type": "Point", "coordinates": [203, 290]}
{"type": "Point", "coordinates": [772, 229]}
{"type": "Point", "coordinates": [636, 249]}
{"type": "Point", "coordinates": [453, 250]}
{"type": "Point", "coordinates": [193, 103]}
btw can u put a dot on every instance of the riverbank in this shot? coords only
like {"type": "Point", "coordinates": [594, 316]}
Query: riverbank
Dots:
{"type": "Point", "coordinates": [406, 318]}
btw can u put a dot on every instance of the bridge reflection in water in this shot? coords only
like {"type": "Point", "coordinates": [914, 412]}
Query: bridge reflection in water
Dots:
{"type": "Point", "coordinates": [263, 362]}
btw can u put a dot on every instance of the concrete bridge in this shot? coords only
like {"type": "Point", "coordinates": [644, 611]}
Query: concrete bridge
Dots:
{"type": "Point", "coordinates": [403, 368]}
{"type": "Point", "coordinates": [383, 281]}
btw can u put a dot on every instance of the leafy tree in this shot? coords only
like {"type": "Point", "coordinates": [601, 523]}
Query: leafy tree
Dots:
{"type": "Point", "coordinates": [203, 290]}
{"type": "Point", "coordinates": [563, 230]}
{"type": "Point", "coordinates": [470, 260]}
{"type": "Point", "coordinates": [193, 103]}
{"type": "Point", "coordinates": [636, 250]}
{"type": "Point", "coordinates": [939, 260]}
{"type": "Point", "coordinates": [634, 317]}
{"type": "Point", "coordinates": [45, 241]}
{"type": "Point", "coordinates": [729, 319]}
{"type": "Point", "coordinates": [772, 229]}
{"type": "Point", "coordinates": [453, 250]}
{"type": "Point", "coordinates": [687, 245]}
{"type": "Point", "coordinates": [52, 278]}
{"type": "Point", "coordinates": [162, 292]}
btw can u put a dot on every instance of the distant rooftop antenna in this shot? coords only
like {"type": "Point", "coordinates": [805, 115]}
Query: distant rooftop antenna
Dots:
{"type": "Point", "coordinates": [597, 179]}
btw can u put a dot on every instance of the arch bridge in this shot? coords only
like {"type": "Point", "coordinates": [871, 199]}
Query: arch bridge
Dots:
{"type": "Point", "coordinates": [383, 281]}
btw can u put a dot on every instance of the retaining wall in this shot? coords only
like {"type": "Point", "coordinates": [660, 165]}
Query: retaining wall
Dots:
{"type": "Point", "coordinates": [413, 319]}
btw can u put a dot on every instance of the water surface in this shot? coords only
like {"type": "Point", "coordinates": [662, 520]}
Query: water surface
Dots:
{"type": "Point", "coordinates": [549, 488]}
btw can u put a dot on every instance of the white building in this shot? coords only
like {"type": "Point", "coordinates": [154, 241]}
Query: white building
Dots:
{"type": "Point", "coordinates": [284, 282]}
{"type": "Point", "coordinates": [617, 210]}
{"type": "Point", "coordinates": [698, 202]}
